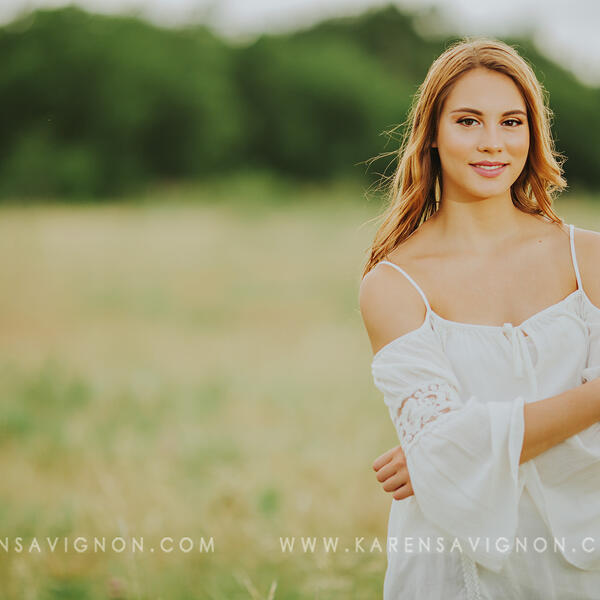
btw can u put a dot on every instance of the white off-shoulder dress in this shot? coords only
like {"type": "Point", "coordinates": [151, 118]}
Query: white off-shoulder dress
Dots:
{"type": "Point", "coordinates": [479, 525]}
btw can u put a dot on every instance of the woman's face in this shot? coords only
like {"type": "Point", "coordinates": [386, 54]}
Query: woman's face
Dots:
{"type": "Point", "coordinates": [484, 118]}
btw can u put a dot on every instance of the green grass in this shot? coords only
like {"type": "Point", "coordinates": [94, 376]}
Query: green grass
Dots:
{"type": "Point", "coordinates": [184, 369]}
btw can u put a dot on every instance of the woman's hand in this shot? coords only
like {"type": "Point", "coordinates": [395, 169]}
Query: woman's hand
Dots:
{"type": "Point", "coordinates": [392, 472]}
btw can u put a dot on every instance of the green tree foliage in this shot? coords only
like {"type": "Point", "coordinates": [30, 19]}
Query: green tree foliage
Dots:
{"type": "Point", "coordinates": [316, 107]}
{"type": "Point", "coordinates": [97, 106]}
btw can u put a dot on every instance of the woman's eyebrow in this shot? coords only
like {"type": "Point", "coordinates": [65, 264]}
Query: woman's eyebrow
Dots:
{"type": "Point", "coordinates": [478, 112]}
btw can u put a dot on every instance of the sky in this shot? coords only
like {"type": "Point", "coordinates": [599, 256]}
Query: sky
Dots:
{"type": "Point", "coordinates": [564, 30]}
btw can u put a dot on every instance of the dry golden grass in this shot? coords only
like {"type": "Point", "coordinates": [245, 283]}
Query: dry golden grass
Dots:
{"type": "Point", "coordinates": [192, 370]}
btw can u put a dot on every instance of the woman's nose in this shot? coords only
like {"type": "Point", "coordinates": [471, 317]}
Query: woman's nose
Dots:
{"type": "Point", "coordinates": [488, 144]}
{"type": "Point", "coordinates": [489, 140]}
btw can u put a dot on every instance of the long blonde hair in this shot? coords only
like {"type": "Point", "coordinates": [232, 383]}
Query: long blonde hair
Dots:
{"type": "Point", "coordinates": [415, 187]}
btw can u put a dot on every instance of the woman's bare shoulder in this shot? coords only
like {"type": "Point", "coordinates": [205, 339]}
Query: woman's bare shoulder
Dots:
{"type": "Point", "coordinates": [587, 250]}
{"type": "Point", "coordinates": [587, 237]}
{"type": "Point", "coordinates": [390, 305]}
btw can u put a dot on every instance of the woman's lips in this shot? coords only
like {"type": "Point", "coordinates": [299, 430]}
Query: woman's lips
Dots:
{"type": "Point", "coordinates": [489, 171]}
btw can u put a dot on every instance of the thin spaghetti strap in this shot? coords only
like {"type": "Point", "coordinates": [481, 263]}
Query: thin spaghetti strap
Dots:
{"type": "Point", "coordinates": [387, 262]}
{"type": "Point", "coordinates": [574, 256]}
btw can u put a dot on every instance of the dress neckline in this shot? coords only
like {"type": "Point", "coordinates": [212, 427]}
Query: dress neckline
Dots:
{"type": "Point", "coordinates": [431, 313]}
{"type": "Point", "coordinates": [427, 325]}
{"type": "Point", "coordinates": [434, 314]}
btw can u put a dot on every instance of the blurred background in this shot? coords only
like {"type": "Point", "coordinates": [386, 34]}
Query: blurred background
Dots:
{"type": "Point", "coordinates": [181, 348]}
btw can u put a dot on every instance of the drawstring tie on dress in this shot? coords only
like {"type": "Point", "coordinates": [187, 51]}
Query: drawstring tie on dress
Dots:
{"type": "Point", "coordinates": [520, 355]}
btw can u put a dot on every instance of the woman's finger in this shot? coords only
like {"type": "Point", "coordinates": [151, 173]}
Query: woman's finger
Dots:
{"type": "Point", "coordinates": [385, 458]}
{"type": "Point", "coordinates": [396, 464]}
{"type": "Point", "coordinates": [396, 481]}
{"type": "Point", "coordinates": [404, 492]}
{"type": "Point", "coordinates": [387, 471]}
{"type": "Point", "coordinates": [382, 460]}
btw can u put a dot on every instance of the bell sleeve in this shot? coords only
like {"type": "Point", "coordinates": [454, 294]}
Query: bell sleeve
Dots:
{"type": "Point", "coordinates": [462, 454]}
{"type": "Point", "coordinates": [567, 481]}
{"type": "Point", "coordinates": [592, 318]}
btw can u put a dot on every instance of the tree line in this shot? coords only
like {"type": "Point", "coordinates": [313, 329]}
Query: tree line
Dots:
{"type": "Point", "coordinates": [98, 106]}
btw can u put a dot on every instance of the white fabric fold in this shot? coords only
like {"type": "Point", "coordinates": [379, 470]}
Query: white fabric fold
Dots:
{"type": "Point", "coordinates": [462, 454]}
{"type": "Point", "coordinates": [566, 489]}
{"type": "Point", "coordinates": [592, 318]}
{"type": "Point", "coordinates": [566, 481]}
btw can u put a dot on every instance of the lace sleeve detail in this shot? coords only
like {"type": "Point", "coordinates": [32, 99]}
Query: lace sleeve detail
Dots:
{"type": "Point", "coordinates": [419, 411]}
{"type": "Point", "coordinates": [462, 451]}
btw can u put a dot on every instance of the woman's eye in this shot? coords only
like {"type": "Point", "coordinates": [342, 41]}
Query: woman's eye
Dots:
{"type": "Point", "coordinates": [516, 121]}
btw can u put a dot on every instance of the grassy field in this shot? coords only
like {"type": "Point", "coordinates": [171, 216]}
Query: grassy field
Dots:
{"type": "Point", "coordinates": [192, 370]}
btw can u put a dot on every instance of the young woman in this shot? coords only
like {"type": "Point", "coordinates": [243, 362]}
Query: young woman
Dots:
{"type": "Point", "coordinates": [481, 306]}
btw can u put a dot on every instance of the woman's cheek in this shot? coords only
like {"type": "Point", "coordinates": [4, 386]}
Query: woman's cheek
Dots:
{"type": "Point", "coordinates": [519, 146]}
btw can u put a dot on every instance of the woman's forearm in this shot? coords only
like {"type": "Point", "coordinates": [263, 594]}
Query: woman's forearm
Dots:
{"type": "Point", "coordinates": [552, 420]}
